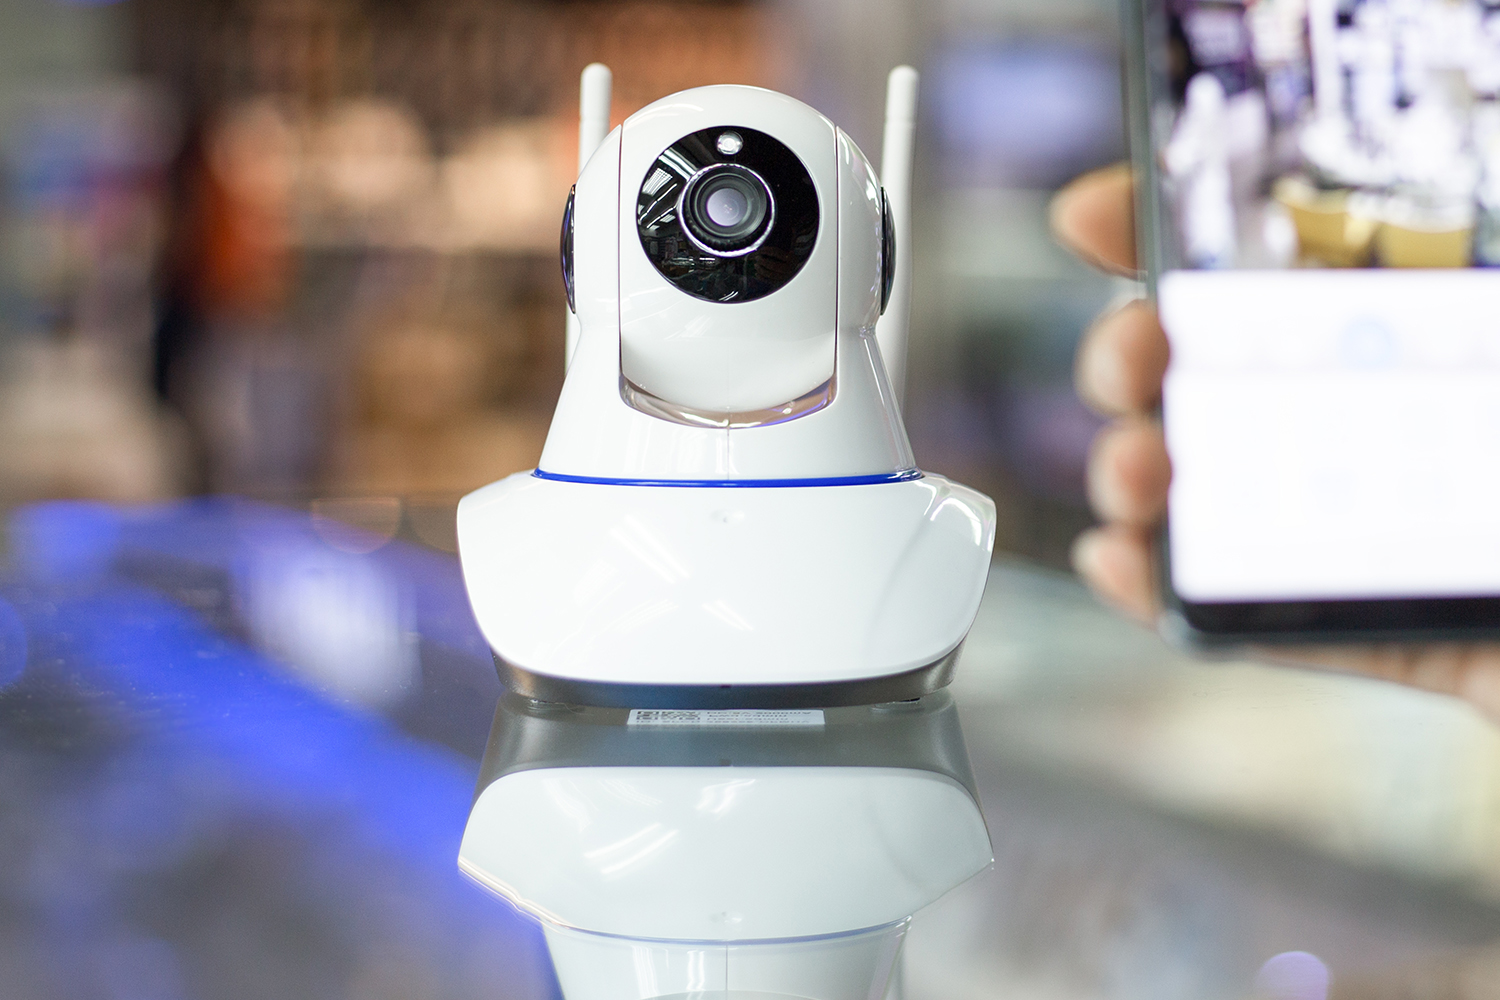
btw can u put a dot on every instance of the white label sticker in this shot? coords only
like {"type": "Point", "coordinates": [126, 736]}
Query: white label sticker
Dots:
{"type": "Point", "coordinates": [726, 717]}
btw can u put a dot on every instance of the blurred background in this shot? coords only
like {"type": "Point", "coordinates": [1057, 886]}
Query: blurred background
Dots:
{"type": "Point", "coordinates": [298, 257]}
{"type": "Point", "coordinates": [292, 249]}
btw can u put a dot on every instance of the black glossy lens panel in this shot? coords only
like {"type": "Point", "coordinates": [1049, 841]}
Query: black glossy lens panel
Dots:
{"type": "Point", "coordinates": [730, 248]}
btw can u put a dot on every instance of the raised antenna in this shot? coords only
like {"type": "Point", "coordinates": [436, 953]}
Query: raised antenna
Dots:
{"type": "Point", "coordinates": [895, 175]}
{"type": "Point", "coordinates": [594, 94]}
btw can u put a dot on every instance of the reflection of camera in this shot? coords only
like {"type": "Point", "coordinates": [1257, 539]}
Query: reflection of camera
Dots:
{"type": "Point", "coordinates": [775, 858]}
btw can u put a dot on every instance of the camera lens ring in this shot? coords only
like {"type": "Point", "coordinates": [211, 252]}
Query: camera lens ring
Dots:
{"type": "Point", "coordinates": [696, 215]}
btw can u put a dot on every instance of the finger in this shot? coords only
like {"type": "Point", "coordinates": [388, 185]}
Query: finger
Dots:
{"type": "Point", "coordinates": [1467, 671]}
{"type": "Point", "coordinates": [1122, 360]}
{"type": "Point", "coordinates": [1094, 217]}
{"type": "Point", "coordinates": [1128, 473]}
{"type": "Point", "coordinates": [1115, 561]}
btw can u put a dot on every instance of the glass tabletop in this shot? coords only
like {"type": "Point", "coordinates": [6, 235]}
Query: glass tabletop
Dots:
{"type": "Point", "coordinates": [239, 743]}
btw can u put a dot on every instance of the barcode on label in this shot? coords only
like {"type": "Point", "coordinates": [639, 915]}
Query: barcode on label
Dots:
{"type": "Point", "coordinates": [726, 717]}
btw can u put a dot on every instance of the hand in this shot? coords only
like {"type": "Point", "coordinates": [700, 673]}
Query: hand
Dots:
{"type": "Point", "coordinates": [1119, 372]}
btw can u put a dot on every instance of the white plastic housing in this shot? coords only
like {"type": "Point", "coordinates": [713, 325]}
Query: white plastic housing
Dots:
{"type": "Point", "coordinates": [854, 966]}
{"type": "Point", "coordinates": [896, 154]}
{"type": "Point", "coordinates": [595, 87]}
{"type": "Point", "coordinates": [784, 880]}
{"type": "Point", "coordinates": [704, 585]}
{"type": "Point", "coordinates": [726, 357]}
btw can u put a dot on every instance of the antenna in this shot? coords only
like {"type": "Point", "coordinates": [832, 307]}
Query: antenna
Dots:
{"type": "Point", "coordinates": [594, 94]}
{"type": "Point", "coordinates": [895, 174]}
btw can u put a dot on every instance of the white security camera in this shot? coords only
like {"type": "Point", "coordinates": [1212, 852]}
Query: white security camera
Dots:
{"type": "Point", "coordinates": [727, 511]}
{"type": "Point", "coordinates": [726, 598]}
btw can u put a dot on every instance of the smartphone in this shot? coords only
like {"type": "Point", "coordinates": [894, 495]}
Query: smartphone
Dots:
{"type": "Point", "coordinates": [1318, 217]}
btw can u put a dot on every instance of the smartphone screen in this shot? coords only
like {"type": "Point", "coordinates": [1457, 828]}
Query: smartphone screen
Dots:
{"type": "Point", "coordinates": [1325, 235]}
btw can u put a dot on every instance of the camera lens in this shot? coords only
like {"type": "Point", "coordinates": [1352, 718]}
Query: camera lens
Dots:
{"type": "Point", "coordinates": [727, 209]}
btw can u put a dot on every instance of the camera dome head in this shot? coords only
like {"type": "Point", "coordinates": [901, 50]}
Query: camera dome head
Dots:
{"type": "Point", "coordinates": [728, 254]}
{"type": "Point", "coordinates": [749, 233]}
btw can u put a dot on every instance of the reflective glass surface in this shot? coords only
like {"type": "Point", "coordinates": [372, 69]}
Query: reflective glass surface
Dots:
{"type": "Point", "coordinates": [239, 742]}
